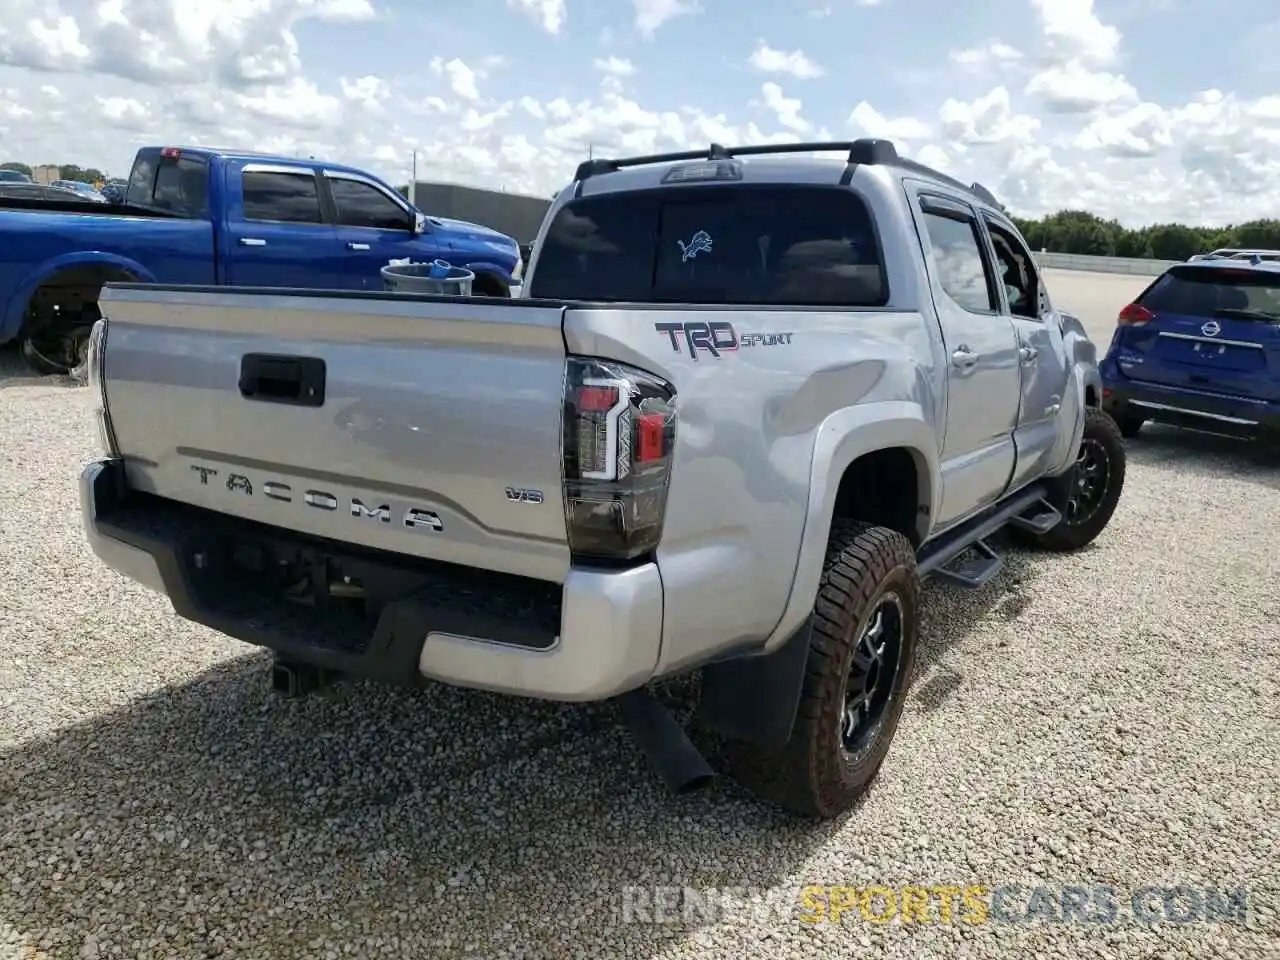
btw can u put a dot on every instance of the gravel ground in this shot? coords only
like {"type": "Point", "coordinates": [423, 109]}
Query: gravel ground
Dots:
{"type": "Point", "coordinates": [1108, 717]}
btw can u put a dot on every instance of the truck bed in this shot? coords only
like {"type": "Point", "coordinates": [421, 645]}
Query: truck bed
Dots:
{"type": "Point", "coordinates": [75, 206]}
{"type": "Point", "coordinates": [40, 243]}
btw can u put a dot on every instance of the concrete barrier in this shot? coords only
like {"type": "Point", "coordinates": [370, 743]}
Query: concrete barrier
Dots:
{"type": "Point", "coordinates": [1129, 265]}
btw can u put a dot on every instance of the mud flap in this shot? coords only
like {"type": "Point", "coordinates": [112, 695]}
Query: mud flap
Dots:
{"type": "Point", "coordinates": [755, 698]}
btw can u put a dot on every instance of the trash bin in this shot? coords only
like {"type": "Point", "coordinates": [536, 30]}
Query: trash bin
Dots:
{"type": "Point", "coordinates": [438, 276]}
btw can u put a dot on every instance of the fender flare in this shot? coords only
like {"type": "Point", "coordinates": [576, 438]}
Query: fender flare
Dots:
{"type": "Point", "coordinates": [841, 439]}
{"type": "Point", "coordinates": [755, 698]}
{"type": "Point", "coordinates": [16, 309]}
{"type": "Point", "coordinates": [1082, 359]}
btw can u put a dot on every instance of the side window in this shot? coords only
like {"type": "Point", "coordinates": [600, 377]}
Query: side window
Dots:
{"type": "Point", "coordinates": [958, 262]}
{"type": "Point", "coordinates": [360, 205]}
{"type": "Point", "coordinates": [1017, 271]}
{"type": "Point", "coordinates": [141, 179]}
{"type": "Point", "coordinates": [281, 197]}
{"type": "Point", "coordinates": [181, 187]}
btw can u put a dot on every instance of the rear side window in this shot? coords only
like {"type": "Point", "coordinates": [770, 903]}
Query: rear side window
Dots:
{"type": "Point", "coordinates": [958, 262]}
{"type": "Point", "coordinates": [177, 185]}
{"type": "Point", "coordinates": [182, 187]}
{"type": "Point", "coordinates": [1209, 292]}
{"type": "Point", "coordinates": [281, 197]}
{"type": "Point", "coordinates": [732, 245]}
{"type": "Point", "coordinates": [360, 205]}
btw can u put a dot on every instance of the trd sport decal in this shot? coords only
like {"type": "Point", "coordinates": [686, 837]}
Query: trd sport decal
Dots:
{"type": "Point", "coordinates": [715, 337]}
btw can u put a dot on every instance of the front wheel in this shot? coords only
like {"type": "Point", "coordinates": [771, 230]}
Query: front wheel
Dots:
{"type": "Point", "coordinates": [865, 624]}
{"type": "Point", "coordinates": [1088, 493]}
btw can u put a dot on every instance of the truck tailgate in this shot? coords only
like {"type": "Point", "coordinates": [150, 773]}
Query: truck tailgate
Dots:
{"type": "Point", "coordinates": [420, 425]}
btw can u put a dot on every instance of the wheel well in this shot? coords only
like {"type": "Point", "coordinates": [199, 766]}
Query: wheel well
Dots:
{"type": "Point", "coordinates": [1091, 398]}
{"type": "Point", "coordinates": [490, 285]}
{"type": "Point", "coordinates": [67, 292]}
{"type": "Point", "coordinates": [882, 487]}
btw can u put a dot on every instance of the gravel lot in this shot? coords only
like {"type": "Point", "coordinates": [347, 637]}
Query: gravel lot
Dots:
{"type": "Point", "coordinates": [1107, 717]}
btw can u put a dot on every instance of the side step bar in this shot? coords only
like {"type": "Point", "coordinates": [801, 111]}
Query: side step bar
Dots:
{"type": "Point", "coordinates": [976, 573]}
{"type": "Point", "coordinates": [1028, 510]}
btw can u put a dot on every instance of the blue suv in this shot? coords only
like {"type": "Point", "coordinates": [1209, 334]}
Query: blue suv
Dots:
{"type": "Point", "coordinates": [1199, 348]}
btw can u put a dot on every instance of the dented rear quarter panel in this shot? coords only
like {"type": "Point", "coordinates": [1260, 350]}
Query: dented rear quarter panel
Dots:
{"type": "Point", "coordinates": [764, 433]}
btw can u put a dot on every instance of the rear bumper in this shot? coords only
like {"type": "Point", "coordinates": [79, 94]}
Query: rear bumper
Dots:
{"type": "Point", "coordinates": [597, 635]}
{"type": "Point", "coordinates": [1179, 406]}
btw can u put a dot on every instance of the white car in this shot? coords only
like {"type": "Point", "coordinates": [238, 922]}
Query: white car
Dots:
{"type": "Point", "coordinates": [85, 190]}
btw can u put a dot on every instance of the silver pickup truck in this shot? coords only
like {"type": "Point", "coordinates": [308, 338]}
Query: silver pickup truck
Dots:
{"type": "Point", "coordinates": [748, 399]}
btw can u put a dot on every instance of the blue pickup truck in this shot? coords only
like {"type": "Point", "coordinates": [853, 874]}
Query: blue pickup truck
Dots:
{"type": "Point", "coordinates": [202, 216]}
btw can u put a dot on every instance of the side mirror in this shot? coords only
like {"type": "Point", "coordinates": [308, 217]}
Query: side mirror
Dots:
{"type": "Point", "coordinates": [419, 223]}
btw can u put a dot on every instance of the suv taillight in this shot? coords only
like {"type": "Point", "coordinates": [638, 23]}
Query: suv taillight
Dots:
{"type": "Point", "coordinates": [619, 435]}
{"type": "Point", "coordinates": [1134, 315]}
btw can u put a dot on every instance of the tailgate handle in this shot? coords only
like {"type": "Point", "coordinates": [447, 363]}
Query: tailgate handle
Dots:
{"type": "Point", "coordinates": [273, 379]}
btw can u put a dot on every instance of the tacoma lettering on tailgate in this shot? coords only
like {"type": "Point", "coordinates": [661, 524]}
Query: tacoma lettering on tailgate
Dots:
{"type": "Point", "coordinates": [415, 518]}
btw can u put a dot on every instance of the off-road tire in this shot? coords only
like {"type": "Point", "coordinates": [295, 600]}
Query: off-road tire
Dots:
{"type": "Point", "coordinates": [811, 774]}
{"type": "Point", "coordinates": [1103, 433]}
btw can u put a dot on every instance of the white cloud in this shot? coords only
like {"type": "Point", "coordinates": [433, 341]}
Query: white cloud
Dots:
{"type": "Point", "coordinates": [1071, 88]}
{"type": "Point", "coordinates": [786, 109]}
{"type": "Point", "coordinates": [462, 79]}
{"type": "Point", "coordinates": [873, 123]}
{"type": "Point", "coordinates": [1073, 30]}
{"type": "Point", "coordinates": [765, 59]}
{"type": "Point", "coordinates": [652, 14]}
{"type": "Point", "coordinates": [993, 53]}
{"type": "Point", "coordinates": [1141, 131]}
{"type": "Point", "coordinates": [988, 120]}
{"type": "Point", "coordinates": [614, 66]}
{"type": "Point", "coordinates": [550, 15]}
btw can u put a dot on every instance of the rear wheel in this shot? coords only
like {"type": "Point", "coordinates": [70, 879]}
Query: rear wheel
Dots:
{"type": "Point", "coordinates": [865, 626]}
{"type": "Point", "coordinates": [62, 350]}
{"type": "Point", "coordinates": [43, 354]}
{"type": "Point", "coordinates": [1088, 493]}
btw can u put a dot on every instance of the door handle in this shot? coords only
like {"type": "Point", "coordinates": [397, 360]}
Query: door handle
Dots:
{"type": "Point", "coordinates": [1027, 353]}
{"type": "Point", "coordinates": [252, 242]}
{"type": "Point", "coordinates": [351, 245]}
{"type": "Point", "coordinates": [964, 358]}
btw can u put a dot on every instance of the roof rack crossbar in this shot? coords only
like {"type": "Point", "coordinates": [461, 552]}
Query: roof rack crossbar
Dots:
{"type": "Point", "coordinates": [866, 150]}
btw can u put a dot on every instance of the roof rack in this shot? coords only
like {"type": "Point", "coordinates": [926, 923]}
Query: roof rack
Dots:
{"type": "Point", "coordinates": [859, 151]}
{"type": "Point", "coordinates": [871, 151]}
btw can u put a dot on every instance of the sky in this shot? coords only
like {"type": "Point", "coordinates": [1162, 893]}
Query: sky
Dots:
{"type": "Point", "coordinates": [1142, 110]}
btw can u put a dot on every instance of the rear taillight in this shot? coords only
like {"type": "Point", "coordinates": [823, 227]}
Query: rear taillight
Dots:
{"type": "Point", "coordinates": [1134, 315]}
{"type": "Point", "coordinates": [98, 387]}
{"type": "Point", "coordinates": [619, 434]}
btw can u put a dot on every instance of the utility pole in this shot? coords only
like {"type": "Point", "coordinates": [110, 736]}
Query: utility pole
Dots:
{"type": "Point", "coordinates": [413, 180]}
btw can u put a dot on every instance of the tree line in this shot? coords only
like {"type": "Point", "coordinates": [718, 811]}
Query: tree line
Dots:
{"type": "Point", "coordinates": [1077, 231]}
{"type": "Point", "coordinates": [67, 171]}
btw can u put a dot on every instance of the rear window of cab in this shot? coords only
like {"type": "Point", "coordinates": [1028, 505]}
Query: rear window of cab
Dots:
{"type": "Point", "coordinates": [748, 244]}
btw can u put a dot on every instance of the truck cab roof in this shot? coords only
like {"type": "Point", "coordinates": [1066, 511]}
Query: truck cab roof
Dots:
{"type": "Point", "coordinates": [275, 159]}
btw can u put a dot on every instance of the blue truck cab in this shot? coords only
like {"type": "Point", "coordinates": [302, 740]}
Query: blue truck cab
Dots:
{"type": "Point", "coordinates": [1200, 349]}
{"type": "Point", "coordinates": [194, 215]}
